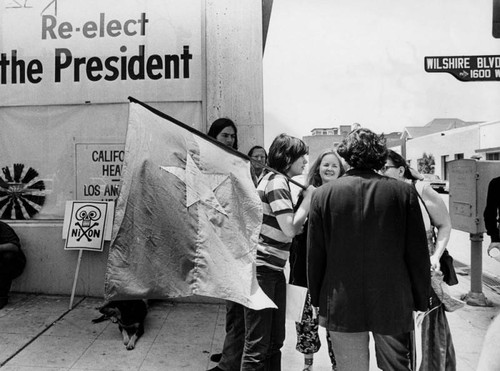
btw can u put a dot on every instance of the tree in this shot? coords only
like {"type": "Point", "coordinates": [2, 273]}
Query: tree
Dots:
{"type": "Point", "coordinates": [426, 164]}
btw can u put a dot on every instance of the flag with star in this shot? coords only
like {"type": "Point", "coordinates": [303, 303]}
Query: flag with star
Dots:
{"type": "Point", "coordinates": [187, 219]}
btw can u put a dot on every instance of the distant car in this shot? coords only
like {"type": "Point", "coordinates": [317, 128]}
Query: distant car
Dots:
{"type": "Point", "coordinates": [439, 185]}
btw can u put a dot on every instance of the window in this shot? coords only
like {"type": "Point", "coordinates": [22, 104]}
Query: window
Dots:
{"type": "Point", "coordinates": [493, 156]}
{"type": "Point", "coordinates": [459, 156]}
{"type": "Point", "coordinates": [444, 167]}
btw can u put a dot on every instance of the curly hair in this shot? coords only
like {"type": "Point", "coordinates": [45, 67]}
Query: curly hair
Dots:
{"type": "Point", "coordinates": [313, 178]}
{"type": "Point", "coordinates": [284, 151]}
{"type": "Point", "coordinates": [219, 125]}
{"type": "Point", "coordinates": [363, 149]}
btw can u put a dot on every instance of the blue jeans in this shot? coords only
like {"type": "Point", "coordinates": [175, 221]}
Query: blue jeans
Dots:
{"type": "Point", "coordinates": [265, 329]}
{"type": "Point", "coordinates": [235, 337]}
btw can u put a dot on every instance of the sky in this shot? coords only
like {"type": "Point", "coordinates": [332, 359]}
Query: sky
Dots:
{"type": "Point", "coordinates": [339, 62]}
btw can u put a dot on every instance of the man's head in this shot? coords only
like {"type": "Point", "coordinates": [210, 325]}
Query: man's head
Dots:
{"type": "Point", "coordinates": [285, 151]}
{"type": "Point", "coordinates": [224, 130]}
{"type": "Point", "coordinates": [259, 154]}
{"type": "Point", "coordinates": [363, 149]}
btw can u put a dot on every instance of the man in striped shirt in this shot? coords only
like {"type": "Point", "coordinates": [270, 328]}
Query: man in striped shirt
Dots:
{"type": "Point", "coordinates": [265, 329]}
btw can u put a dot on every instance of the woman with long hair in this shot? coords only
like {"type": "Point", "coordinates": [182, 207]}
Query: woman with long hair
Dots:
{"type": "Point", "coordinates": [438, 353]}
{"type": "Point", "coordinates": [327, 167]}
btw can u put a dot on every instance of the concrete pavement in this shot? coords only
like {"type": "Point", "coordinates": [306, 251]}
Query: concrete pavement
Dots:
{"type": "Point", "coordinates": [39, 332]}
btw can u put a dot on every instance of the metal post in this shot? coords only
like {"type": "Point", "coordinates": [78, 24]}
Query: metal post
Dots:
{"type": "Point", "coordinates": [476, 297]}
{"type": "Point", "coordinates": [75, 279]}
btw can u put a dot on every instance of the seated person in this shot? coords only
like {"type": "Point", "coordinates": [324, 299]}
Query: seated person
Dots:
{"type": "Point", "coordinates": [12, 260]}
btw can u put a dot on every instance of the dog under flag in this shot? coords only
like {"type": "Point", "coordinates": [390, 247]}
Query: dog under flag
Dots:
{"type": "Point", "coordinates": [187, 219]}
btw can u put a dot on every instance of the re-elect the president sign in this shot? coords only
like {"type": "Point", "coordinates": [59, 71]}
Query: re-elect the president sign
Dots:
{"type": "Point", "coordinates": [99, 51]}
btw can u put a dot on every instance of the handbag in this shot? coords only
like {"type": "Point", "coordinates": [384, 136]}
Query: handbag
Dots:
{"type": "Point", "coordinates": [450, 303]}
{"type": "Point", "coordinates": [449, 274]}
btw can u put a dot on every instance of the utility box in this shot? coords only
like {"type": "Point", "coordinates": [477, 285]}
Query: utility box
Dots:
{"type": "Point", "coordinates": [469, 180]}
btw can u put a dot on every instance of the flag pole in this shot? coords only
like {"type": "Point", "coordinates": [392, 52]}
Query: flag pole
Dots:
{"type": "Point", "coordinates": [212, 140]}
{"type": "Point", "coordinates": [277, 172]}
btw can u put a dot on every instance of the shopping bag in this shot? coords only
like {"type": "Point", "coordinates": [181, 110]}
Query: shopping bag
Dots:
{"type": "Point", "coordinates": [295, 301]}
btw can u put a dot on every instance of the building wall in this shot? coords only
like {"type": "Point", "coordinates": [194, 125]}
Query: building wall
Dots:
{"type": "Point", "coordinates": [444, 146]}
{"type": "Point", "coordinates": [319, 143]}
{"type": "Point", "coordinates": [231, 87]}
{"type": "Point", "coordinates": [234, 74]}
{"type": "Point", "coordinates": [489, 137]}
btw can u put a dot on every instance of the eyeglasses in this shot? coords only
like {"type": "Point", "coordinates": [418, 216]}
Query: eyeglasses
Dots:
{"type": "Point", "coordinates": [385, 167]}
{"type": "Point", "coordinates": [259, 158]}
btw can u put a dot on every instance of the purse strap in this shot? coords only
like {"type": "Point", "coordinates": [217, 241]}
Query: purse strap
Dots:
{"type": "Point", "coordinates": [428, 213]}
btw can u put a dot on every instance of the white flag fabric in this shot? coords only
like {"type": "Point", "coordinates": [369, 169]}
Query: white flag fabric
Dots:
{"type": "Point", "coordinates": [187, 219]}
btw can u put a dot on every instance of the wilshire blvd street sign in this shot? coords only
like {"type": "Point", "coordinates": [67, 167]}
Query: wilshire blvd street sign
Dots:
{"type": "Point", "coordinates": [467, 68]}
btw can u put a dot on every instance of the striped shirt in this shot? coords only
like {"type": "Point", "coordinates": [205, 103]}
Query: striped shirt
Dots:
{"type": "Point", "coordinates": [273, 249]}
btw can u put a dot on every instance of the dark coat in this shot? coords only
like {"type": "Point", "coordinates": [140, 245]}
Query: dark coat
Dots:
{"type": "Point", "coordinates": [298, 256]}
{"type": "Point", "coordinates": [492, 209]}
{"type": "Point", "coordinates": [368, 264]}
